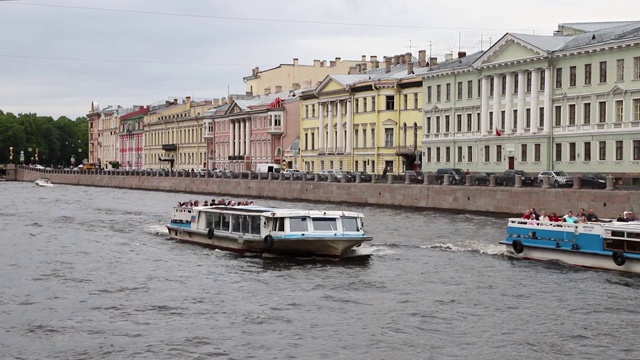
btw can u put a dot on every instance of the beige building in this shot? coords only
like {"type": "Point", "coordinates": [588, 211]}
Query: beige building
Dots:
{"type": "Point", "coordinates": [295, 75]}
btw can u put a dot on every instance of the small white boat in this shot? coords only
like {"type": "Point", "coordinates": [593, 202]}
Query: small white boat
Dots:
{"type": "Point", "coordinates": [44, 182]}
{"type": "Point", "coordinates": [257, 229]}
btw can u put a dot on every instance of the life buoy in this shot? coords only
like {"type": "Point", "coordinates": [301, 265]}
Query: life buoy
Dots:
{"type": "Point", "coordinates": [517, 246]}
{"type": "Point", "coordinates": [618, 257]}
{"type": "Point", "coordinates": [268, 241]}
{"type": "Point", "coordinates": [210, 233]}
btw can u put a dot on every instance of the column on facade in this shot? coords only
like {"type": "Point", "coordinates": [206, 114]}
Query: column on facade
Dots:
{"type": "Point", "coordinates": [508, 108]}
{"type": "Point", "coordinates": [484, 106]}
{"type": "Point", "coordinates": [497, 85]}
{"type": "Point", "coordinates": [330, 140]}
{"type": "Point", "coordinates": [349, 128]}
{"type": "Point", "coordinates": [231, 136]}
{"type": "Point", "coordinates": [521, 101]}
{"type": "Point", "coordinates": [243, 129]}
{"type": "Point", "coordinates": [534, 100]}
{"type": "Point", "coordinates": [247, 137]}
{"type": "Point", "coordinates": [547, 99]}
{"type": "Point", "coordinates": [321, 145]}
{"type": "Point", "coordinates": [340, 134]}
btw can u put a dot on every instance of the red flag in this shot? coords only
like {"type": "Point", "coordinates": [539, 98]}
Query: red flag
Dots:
{"type": "Point", "coordinates": [498, 133]}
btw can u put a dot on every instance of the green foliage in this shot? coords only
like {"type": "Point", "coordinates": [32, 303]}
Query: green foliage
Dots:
{"type": "Point", "coordinates": [115, 164]}
{"type": "Point", "coordinates": [54, 142]}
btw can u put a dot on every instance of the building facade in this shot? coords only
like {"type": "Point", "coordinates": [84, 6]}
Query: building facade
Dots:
{"type": "Point", "coordinates": [566, 102]}
{"type": "Point", "coordinates": [131, 138]}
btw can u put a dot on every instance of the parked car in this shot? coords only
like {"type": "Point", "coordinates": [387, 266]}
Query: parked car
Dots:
{"type": "Point", "coordinates": [297, 174]}
{"type": "Point", "coordinates": [483, 178]}
{"type": "Point", "coordinates": [364, 176]}
{"type": "Point", "coordinates": [508, 178]}
{"type": "Point", "coordinates": [557, 178]}
{"type": "Point", "coordinates": [416, 177]}
{"type": "Point", "coordinates": [248, 174]}
{"type": "Point", "coordinates": [456, 176]}
{"type": "Point", "coordinates": [593, 181]}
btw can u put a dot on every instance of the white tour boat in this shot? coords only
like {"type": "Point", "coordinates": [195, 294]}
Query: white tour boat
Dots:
{"type": "Point", "coordinates": [257, 229]}
{"type": "Point", "coordinates": [44, 182]}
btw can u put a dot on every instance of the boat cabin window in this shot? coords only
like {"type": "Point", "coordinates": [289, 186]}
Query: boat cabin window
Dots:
{"type": "Point", "coordinates": [350, 224]}
{"type": "Point", "coordinates": [324, 224]}
{"type": "Point", "coordinates": [223, 223]}
{"type": "Point", "coordinates": [235, 223]}
{"type": "Point", "coordinates": [278, 224]}
{"type": "Point", "coordinates": [254, 228]}
{"type": "Point", "coordinates": [210, 219]}
{"type": "Point", "coordinates": [624, 245]}
{"type": "Point", "coordinates": [298, 224]}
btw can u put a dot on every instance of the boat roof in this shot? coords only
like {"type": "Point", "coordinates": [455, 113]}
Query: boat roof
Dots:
{"type": "Point", "coordinates": [276, 212]}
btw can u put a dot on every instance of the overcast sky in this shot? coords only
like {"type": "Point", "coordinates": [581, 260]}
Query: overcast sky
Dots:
{"type": "Point", "coordinates": [56, 56]}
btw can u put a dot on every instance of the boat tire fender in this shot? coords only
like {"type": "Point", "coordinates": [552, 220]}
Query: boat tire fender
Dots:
{"type": "Point", "coordinates": [210, 233]}
{"type": "Point", "coordinates": [517, 246]}
{"type": "Point", "coordinates": [618, 257]}
{"type": "Point", "coordinates": [268, 241]}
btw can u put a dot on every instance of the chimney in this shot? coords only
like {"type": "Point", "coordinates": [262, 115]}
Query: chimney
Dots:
{"type": "Point", "coordinates": [223, 100]}
{"type": "Point", "coordinates": [278, 88]}
{"type": "Point", "coordinates": [461, 54]}
{"type": "Point", "coordinates": [408, 57]}
{"type": "Point", "coordinates": [363, 58]}
{"type": "Point", "coordinates": [433, 61]}
{"type": "Point", "coordinates": [167, 103]}
{"type": "Point", "coordinates": [364, 67]}
{"type": "Point", "coordinates": [387, 64]}
{"type": "Point", "coordinates": [249, 93]}
{"type": "Point", "coordinates": [410, 68]}
{"type": "Point", "coordinates": [175, 101]}
{"type": "Point", "coordinates": [376, 64]}
{"type": "Point", "coordinates": [295, 86]}
{"type": "Point", "coordinates": [358, 68]}
{"type": "Point", "coordinates": [394, 60]}
{"type": "Point", "coordinates": [338, 60]}
{"type": "Point", "coordinates": [188, 99]}
{"type": "Point", "coordinates": [216, 102]}
{"type": "Point", "coordinates": [374, 58]}
{"type": "Point", "coordinates": [422, 58]}
{"type": "Point", "coordinates": [267, 90]}
{"type": "Point", "coordinates": [316, 63]}
{"type": "Point", "coordinates": [295, 61]}
{"type": "Point", "coordinates": [323, 63]}
{"type": "Point", "coordinates": [332, 63]}
{"type": "Point", "coordinates": [448, 56]}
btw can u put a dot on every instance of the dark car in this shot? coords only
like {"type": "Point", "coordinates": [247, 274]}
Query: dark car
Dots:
{"type": "Point", "coordinates": [364, 176]}
{"type": "Point", "coordinates": [483, 179]}
{"type": "Point", "coordinates": [415, 177]}
{"type": "Point", "coordinates": [593, 181]}
{"type": "Point", "coordinates": [509, 178]}
{"type": "Point", "coordinates": [456, 176]}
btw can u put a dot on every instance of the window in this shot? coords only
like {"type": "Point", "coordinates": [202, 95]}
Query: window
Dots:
{"type": "Point", "coordinates": [523, 152]}
{"type": "Point", "coordinates": [558, 152]}
{"type": "Point", "coordinates": [470, 153]}
{"type": "Point", "coordinates": [437, 124]}
{"type": "Point", "coordinates": [469, 89]}
{"type": "Point", "coordinates": [390, 102]}
{"type": "Point", "coordinates": [498, 153]}
{"type": "Point", "coordinates": [313, 110]}
{"type": "Point", "coordinates": [479, 87]}
{"type": "Point", "coordinates": [636, 149]}
{"type": "Point", "coordinates": [355, 138]}
{"type": "Point", "coordinates": [487, 153]}
{"type": "Point", "coordinates": [313, 141]}
{"type": "Point", "coordinates": [448, 92]}
{"type": "Point", "coordinates": [602, 150]}
{"type": "Point", "coordinates": [542, 80]}
{"type": "Point", "coordinates": [356, 105]}
{"type": "Point", "coordinates": [572, 151]}
{"type": "Point", "coordinates": [297, 224]}
{"type": "Point", "coordinates": [459, 90]}
{"type": "Point", "coordinates": [515, 118]}
{"type": "Point", "coordinates": [572, 114]}
{"type": "Point", "coordinates": [541, 117]}
{"type": "Point", "coordinates": [602, 111]}
{"type": "Point", "coordinates": [636, 68]}
{"type": "Point", "coordinates": [447, 123]}
{"type": "Point", "coordinates": [478, 116]}
{"type": "Point", "coordinates": [373, 137]}
{"type": "Point", "coordinates": [405, 101]}
{"type": "Point", "coordinates": [428, 94]}
{"type": "Point", "coordinates": [459, 153]}
{"type": "Point", "coordinates": [306, 111]}
{"type": "Point", "coordinates": [572, 76]}
{"type": "Point", "coordinates": [516, 82]}
{"type": "Point", "coordinates": [636, 109]}
{"type": "Point", "coordinates": [373, 104]}
{"type": "Point", "coordinates": [536, 152]}
{"type": "Point", "coordinates": [587, 74]}
{"type": "Point", "coordinates": [438, 91]}
{"type": "Point", "coordinates": [527, 114]}
{"type": "Point", "coordinates": [620, 70]}
{"type": "Point", "coordinates": [459, 122]}
{"type": "Point", "coordinates": [490, 120]}
{"type": "Point", "coordinates": [619, 150]}
{"type": "Point", "coordinates": [416, 102]}
{"type": "Point", "coordinates": [324, 224]}
{"type": "Point", "coordinates": [428, 127]}
{"type": "Point", "coordinates": [306, 141]}
{"type": "Point", "coordinates": [437, 154]}
{"type": "Point", "coordinates": [587, 151]}
{"type": "Point", "coordinates": [364, 137]}
{"type": "Point", "coordinates": [619, 111]}
{"type": "Point", "coordinates": [447, 154]}
{"type": "Point", "coordinates": [558, 78]}
{"type": "Point", "coordinates": [502, 119]}
{"type": "Point", "coordinates": [558, 115]}
{"type": "Point", "coordinates": [469, 121]}
{"type": "Point", "coordinates": [388, 138]}
{"type": "Point", "coordinates": [491, 85]}
{"type": "Point", "coordinates": [528, 84]}
{"type": "Point", "coordinates": [428, 155]}
{"type": "Point", "coordinates": [503, 84]}
{"type": "Point", "coordinates": [586, 113]}
{"type": "Point", "coordinates": [603, 72]}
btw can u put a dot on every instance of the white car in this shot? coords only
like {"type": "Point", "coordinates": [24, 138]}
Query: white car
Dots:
{"type": "Point", "coordinates": [38, 166]}
{"type": "Point", "coordinates": [297, 174]}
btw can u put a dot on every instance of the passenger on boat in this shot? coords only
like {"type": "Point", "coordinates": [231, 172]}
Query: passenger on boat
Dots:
{"type": "Point", "coordinates": [526, 215]}
{"type": "Point", "coordinates": [570, 218]}
{"type": "Point", "coordinates": [534, 213]}
{"type": "Point", "coordinates": [543, 216]}
{"type": "Point", "coordinates": [206, 203]}
{"type": "Point", "coordinates": [629, 216]}
{"type": "Point", "coordinates": [622, 218]}
{"type": "Point", "coordinates": [591, 216]}
{"type": "Point", "coordinates": [553, 217]}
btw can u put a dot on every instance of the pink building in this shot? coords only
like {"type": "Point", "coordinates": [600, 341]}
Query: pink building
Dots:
{"type": "Point", "coordinates": [131, 138]}
{"type": "Point", "coordinates": [252, 131]}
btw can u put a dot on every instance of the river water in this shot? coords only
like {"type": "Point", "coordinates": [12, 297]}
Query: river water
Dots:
{"type": "Point", "coordinates": [88, 273]}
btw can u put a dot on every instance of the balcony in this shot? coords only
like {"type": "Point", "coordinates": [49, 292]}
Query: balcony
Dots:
{"type": "Point", "coordinates": [207, 134]}
{"type": "Point", "coordinates": [406, 150]}
{"type": "Point", "coordinates": [170, 147]}
{"type": "Point", "coordinates": [275, 130]}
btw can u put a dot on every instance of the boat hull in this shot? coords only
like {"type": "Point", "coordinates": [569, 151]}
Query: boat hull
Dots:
{"type": "Point", "coordinates": [310, 246]}
{"type": "Point", "coordinates": [577, 258]}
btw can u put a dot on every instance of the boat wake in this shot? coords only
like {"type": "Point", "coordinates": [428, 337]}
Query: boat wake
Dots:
{"type": "Point", "coordinates": [477, 247]}
{"type": "Point", "coordinates": [156, 229]}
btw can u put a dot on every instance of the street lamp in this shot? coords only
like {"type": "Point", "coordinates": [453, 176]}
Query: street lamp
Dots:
{"type": "Point", "coordinates": [11, 154]}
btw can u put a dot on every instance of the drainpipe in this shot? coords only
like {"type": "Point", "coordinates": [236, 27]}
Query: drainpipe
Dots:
{"type": "Point", "coordinates": [398, 126]}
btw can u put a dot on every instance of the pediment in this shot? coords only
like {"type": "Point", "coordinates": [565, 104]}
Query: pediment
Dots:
{"type": "Point", "coordinates": [389, 122]}
{"type": "Point", "coordinates": [616, 89]}
{"type": "Point", "coordinates": [509, 49]}
{"type": "Point", "coordinates": [234, 109]}
{"type": "Point", "coordinates": [330, 85]}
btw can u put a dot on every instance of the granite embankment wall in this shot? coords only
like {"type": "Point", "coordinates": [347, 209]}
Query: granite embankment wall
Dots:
{"type": "Point", "coordinates": [498, 200]}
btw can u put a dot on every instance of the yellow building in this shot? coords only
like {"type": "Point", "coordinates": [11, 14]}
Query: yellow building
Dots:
{"type": "Point", "coordinates": [367, 121]}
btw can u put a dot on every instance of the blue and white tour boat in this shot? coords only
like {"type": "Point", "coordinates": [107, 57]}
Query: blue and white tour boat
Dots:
{"type": "Point", "coordinates": [258, 229]}
{"type": "Point", "coordinates": [598, 245]}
